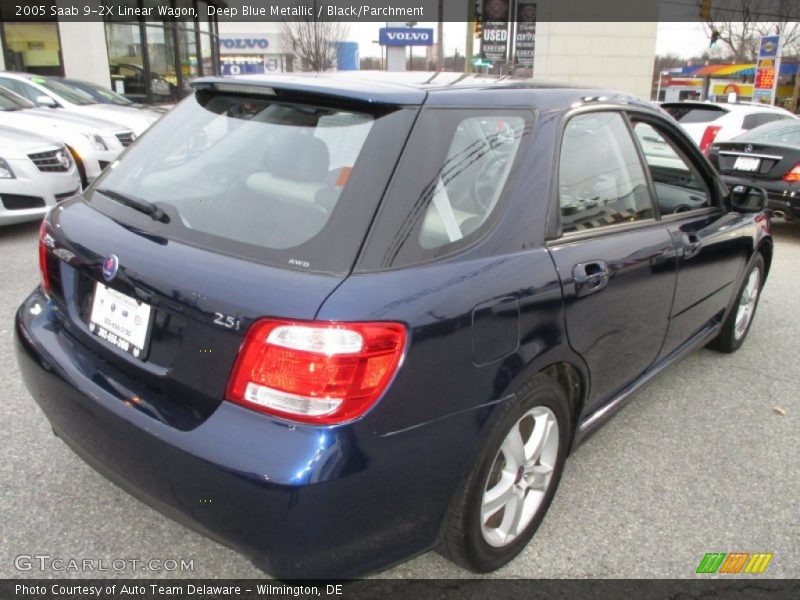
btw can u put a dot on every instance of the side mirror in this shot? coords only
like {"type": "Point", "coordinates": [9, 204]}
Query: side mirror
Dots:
{"type": "Point", "coordinates": [748, 199]}
{"type": "Point", "coordinates": [46, 102]}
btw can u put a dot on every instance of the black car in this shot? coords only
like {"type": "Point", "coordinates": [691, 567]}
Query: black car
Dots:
{"type": "Point", "coordinates": [768, 157]}
{"type": "Point", "coordinates": [335, 323]}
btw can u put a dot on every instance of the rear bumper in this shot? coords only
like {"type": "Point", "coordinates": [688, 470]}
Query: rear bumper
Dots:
{"type": "Point", "coordinates": [300, 501]}
{"type": "Point", "coordinates": [781, 195]}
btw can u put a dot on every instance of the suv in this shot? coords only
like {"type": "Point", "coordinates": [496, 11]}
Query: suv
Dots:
{"type": "Point", "coordinates": [335, 323]}
{"type": "Point", "coordinates": [706, 122]}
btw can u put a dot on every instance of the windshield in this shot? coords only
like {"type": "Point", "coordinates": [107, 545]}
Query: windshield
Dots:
{"type": "Point", "coordinates": [10, 101]}
{"type": "Point", "coordinates": [98, 93]}
{"type": "Point", "coordinates": [286, 182]}
{"type": "Point", "coordinates": [68, 93]}
{"type": "Point", "coordinates": [784, 132]}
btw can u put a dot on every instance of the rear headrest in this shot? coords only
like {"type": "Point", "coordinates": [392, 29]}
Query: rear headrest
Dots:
{"type": "Point", "coordinates": [300, 157]}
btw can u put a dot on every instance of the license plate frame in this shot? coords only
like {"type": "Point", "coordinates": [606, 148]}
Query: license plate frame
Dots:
{"type": "Point", "coordinates": [749, 164]}
{"type": "Point", "coordinates": [121, 321]}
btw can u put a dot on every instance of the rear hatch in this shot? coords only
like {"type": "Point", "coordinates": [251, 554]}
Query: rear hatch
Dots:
{"type": "Point", "coordinates": [695, 117]}
{"type": "Point", "coordinates": [236, 206]}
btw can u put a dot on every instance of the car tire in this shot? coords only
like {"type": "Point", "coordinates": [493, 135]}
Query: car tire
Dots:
{"type": "Point", "coordinates": [737, 324]}
{"type": "Point", "coordinates": [477, 543]}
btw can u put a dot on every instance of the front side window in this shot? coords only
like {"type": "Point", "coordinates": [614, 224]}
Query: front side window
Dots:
{"type": "Point", "coordinates": [601, 180]}
{"type": "Point", "coordinates": [679, 187]}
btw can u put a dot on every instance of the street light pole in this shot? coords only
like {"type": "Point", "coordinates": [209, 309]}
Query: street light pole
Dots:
{"type": "Point", "coordinates": [658, 89]}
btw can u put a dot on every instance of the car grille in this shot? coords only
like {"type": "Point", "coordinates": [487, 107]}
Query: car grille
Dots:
{"type": "Point", "coordinates": [18, 202]}
{"type": "Point", "coordinates": [126, 139]}
{"type": "Point", "coordinates": [49, 161]}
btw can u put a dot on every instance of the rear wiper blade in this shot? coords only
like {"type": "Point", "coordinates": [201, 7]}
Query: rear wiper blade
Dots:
{"type": "Point", "coordinates": [143, 206]}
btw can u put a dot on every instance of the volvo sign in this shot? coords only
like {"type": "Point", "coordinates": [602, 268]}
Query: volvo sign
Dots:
{"type": "Point", "coordinates": [406, 36]}
{"type": "Point", "coordinates": [243, 45]}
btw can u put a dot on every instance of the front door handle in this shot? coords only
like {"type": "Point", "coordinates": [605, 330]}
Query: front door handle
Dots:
{"type": "Point", "coordinates": [691, 245]}
{"type": "Point", "coordinates": [590, 277]}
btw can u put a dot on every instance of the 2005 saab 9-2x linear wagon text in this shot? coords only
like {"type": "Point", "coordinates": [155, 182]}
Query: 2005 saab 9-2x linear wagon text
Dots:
{"type": "Point", "coordinates": [336, 323]}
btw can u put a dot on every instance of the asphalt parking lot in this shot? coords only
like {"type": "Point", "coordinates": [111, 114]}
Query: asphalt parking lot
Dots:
{"type": "Point", "coordinates": [701, 460]}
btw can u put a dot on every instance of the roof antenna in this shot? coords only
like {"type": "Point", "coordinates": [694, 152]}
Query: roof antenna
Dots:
{"type": "Point", "coordinates": [434, 76]}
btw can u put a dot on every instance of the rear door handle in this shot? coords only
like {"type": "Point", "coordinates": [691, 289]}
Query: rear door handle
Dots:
{"type": "Point", "coordinates": [590, 277]}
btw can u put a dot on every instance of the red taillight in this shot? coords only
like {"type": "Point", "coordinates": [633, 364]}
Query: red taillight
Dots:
{"type": "Point", "coordinates": [709, 135]}
{"type": "Point", "coordinates": [315, 372]}
{"type": "Point", "coordinates": [45, 242]}
{"type": "Point", "coordinates": [793, 175]}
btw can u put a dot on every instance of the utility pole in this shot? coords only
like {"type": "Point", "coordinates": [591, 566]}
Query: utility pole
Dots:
{"type": "Point", "coordinates": [440, 38]}
{"type": "Point", "coordinates": [470, 36]}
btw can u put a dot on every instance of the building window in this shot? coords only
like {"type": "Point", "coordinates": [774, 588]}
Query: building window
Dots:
{"type": "Point", "coordinates": [155, 61]}
{"type": "Point", "coordinates": [33, 47]}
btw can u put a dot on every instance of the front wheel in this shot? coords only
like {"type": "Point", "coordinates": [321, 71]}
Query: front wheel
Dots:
{"type": "Point", "coordinates": [511, 487]}
{"type": "Point", "coordinates": [737, 323]}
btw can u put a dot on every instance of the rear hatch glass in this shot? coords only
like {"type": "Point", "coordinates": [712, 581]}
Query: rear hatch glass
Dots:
{"type": "Point", "coordinates": [286, 181]}
{"type": "Point", "coordinates": [693, 113]}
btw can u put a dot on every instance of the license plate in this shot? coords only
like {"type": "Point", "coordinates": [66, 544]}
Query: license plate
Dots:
{"type": "Point", "coordinates": [746, 163]}
{"type": "Point", "coordinates": [120, 320]}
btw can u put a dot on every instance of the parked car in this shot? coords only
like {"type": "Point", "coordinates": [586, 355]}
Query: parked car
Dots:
{"type": "Point", "coordinates": [93, 143]}
{"type": "Point", "coordinates": [707, 122]}
{"type": "Point", "coordinates": [335, 323]}
{"type": "Point", "coordinates": [48, 92]}
{"type": "Point", "coordinates": [35, 174]}
{"type": "Point", "coordinates": [104, 95]}
{"type": "Point", "coordinates": [769, 157]}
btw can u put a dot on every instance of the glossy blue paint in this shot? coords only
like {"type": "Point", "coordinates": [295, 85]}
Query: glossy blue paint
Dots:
{"type": "Point", "coordinates": [310, 501]}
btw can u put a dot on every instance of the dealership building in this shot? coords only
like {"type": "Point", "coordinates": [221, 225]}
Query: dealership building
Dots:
{"type": "Point", "coordinates": [153, 62]}
{"type": "Point", "coordinates": [147, 61]}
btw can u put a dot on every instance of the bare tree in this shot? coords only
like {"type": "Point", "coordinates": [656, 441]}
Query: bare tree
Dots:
{"type": "Point", "coordinates": [740, 24]}
{"type": "Point", "coordinates": [314, 43]}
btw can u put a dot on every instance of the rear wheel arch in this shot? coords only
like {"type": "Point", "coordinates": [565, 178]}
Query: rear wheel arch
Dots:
{"type": "Point", "coordinates": [571, 380]}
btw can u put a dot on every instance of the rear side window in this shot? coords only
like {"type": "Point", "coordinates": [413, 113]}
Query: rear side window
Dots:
{"type": "Point", "coordinates": [289, 183]}
{"type": "Point", "coordinates": [601, 179]}
{"type": "Point", "coordinates": [694, 114]}
{"type": "Point", "coordinates": [465, 191]}
{"type": "Point", "coordinates": [450, 186]}
{"type": "Point", "coordinates": [756, 119]}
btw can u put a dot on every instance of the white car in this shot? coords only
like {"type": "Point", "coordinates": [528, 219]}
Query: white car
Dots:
{"type": "Point", "coordinates": [48, 92]}
{"type": "Point", "coordinates": [93, 143]}
{"type": "Point", "coordinates": [35, 174]}
{"type": "Point", "coordinates": [708, 122]}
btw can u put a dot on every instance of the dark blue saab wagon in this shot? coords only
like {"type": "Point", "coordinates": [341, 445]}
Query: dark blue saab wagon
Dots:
{"type": "Point", "coordinates": [334, 323]}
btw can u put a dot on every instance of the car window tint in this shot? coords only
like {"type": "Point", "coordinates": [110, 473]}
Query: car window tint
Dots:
{"type": "Point", "coordinates": [468, 184]}
{"type": "Point", "coordinates": [457, 170]}
{"type": "Point", "coordinates": [756, 119]}
{"type": "Point", "coordinates": [601, 179]}
{"type": "Point", "coordinates": [694, 114]}
{"type": "Point", "coordinates": [679, 187]}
